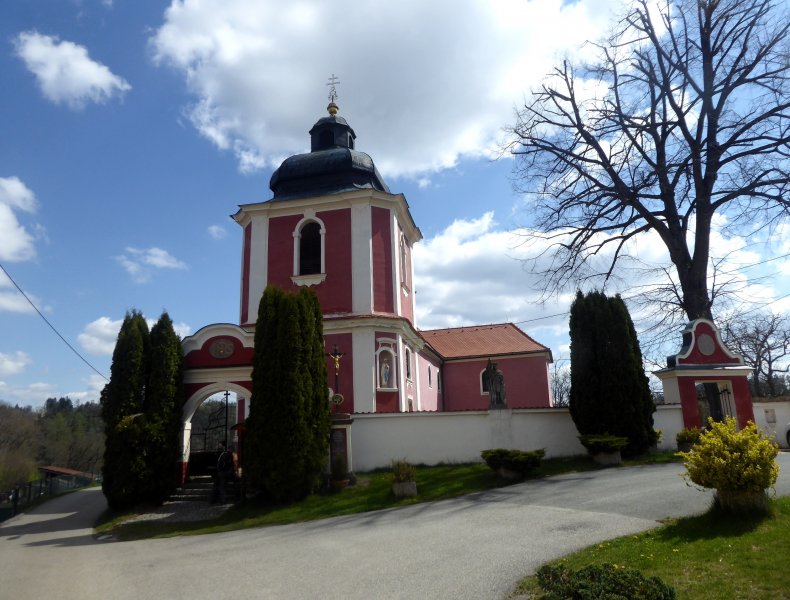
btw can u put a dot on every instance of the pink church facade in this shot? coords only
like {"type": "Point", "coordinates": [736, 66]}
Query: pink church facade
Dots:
{"type": "Point", "coordinates": [333, 225]}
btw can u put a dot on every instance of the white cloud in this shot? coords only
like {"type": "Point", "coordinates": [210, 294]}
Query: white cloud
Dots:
{"type": "Point", "coordinates": [12, 300]}
{"type": "Point", "coordinates": [472, 273]}
{"type": "Point", "coordinates": [139, 262]}
{"type": "Point", "coordinates": [13, 364]}
{"type": "Point", "coordinates": [217, 232]}
{"type": "Point", "coordinates": [16, 194]}
{"type": "Point", "coordinates": [257, 71]}
{"type": "Point", "coordinates": [99, 336]}
{"type": "Point", "coordinates": [64, 71]}
{"type": "Point", "coordinates": [16, 243]}
{"type": "Point", "coordinates": [92, 392]}
{"type": "Point", "coordinates": [34, 394]}
{"type": "Point", "coordinates": [182, 329]}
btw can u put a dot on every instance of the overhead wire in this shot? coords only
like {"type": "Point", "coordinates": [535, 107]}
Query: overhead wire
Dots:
{"type": "Point", "coordinates": [51, 326]}
{"type": "Point", "coordinates": [757, 306]}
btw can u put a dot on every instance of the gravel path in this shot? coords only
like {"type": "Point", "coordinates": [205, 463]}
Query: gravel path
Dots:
{"type": "Point", "coordinates": [180, 511]}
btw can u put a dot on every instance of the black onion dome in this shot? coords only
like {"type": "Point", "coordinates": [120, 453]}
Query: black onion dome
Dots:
{"type": "Point", "coordinates": [331, 166]}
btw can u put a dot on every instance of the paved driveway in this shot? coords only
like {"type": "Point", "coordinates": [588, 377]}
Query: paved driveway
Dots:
{"type": "Point", "coordinates": [471, 547]}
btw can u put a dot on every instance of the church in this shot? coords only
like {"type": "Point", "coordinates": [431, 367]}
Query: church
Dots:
{"type": "Point", "coordinates": [333, 224]}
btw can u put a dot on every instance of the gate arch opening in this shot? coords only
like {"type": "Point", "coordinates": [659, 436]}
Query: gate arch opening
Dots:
{"type": "Point", "coordinates": [238, 396]}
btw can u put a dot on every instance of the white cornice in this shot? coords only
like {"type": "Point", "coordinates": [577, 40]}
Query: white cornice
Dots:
{"type": "Point", "coordinates": [702, 371]}
{"type": "Point", "coordinates": [201, 336]}
{"type": "Point", "coordinates": [277, 208]}
{"type": "Point", "coordinates": [395, 325]}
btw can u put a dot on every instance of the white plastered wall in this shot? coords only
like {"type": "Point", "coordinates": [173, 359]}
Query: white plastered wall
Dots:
{"type": "Point", "coordinates": [431, 438]}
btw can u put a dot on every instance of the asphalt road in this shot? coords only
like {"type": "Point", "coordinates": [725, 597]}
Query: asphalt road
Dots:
{"type": "Point", "coordinates": [473, 547]}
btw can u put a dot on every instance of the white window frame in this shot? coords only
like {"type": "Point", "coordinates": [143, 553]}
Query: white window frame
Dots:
{"type": "Point", "coordinates": [483, 391]}
{"type": "Point", "coordinates": [387, 346]}
{"type": "Point", "coordinates": [314, 278]}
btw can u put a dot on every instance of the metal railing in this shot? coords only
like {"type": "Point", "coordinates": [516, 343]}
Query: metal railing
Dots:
{"type": "Point", "coordinates": [39, 489]}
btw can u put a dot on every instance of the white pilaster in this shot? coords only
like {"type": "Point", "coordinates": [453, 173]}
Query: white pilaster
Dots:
{"type": "Point", "coordinates": [259, 264]}
{"type": "Point", "coordinates": [397, 276]}
{"type": "Point", "coordinates": [364, 345]}
{"type": "Point", "coordinates": [361, 260]}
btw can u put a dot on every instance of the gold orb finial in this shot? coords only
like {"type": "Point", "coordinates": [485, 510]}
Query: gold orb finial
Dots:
{"type": "Point", "coordinates": [332, 109]}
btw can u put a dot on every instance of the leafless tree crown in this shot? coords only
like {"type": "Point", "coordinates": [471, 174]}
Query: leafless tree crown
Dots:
{"type": "Point", "coordinates": [685, 114]}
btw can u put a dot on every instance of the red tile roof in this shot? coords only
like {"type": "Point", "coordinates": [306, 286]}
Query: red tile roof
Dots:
{"type": "Point", "coordinates": [482, 341]}
{"type": "Point", "coordinates": [52, 470]}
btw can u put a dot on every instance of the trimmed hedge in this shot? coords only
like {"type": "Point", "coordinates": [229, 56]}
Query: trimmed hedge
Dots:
{"type": "Point", "coordinates": [600, 581]}
{"type": "Point", "coordinates": [518, 461]}
{"type": "Point", "coordinates": [596, 444]}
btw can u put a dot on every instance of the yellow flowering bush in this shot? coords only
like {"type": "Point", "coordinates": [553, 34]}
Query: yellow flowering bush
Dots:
{"type": "Point", "coordinates": [734, 463]}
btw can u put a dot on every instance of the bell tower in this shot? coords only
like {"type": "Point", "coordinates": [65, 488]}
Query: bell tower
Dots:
{"type": "Point", "coordinates": [332, 224]}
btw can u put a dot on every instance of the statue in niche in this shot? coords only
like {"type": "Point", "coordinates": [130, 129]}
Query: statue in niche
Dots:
{"type": "Point", "coordinates": [385, 373]}
{"type": "Point", "coordinates": [495, 382]}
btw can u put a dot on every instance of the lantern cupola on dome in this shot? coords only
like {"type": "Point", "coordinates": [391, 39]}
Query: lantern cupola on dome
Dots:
{"type": "Point", "coordinates": [332, 165]}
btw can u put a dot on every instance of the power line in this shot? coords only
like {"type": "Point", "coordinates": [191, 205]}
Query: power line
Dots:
{"type": "Point", "coordinates": [51, 326]}
{"type": "Point", "coordinates": [541, 318]}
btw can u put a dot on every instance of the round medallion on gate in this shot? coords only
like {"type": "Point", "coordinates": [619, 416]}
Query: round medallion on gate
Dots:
{"type": "Point", "coordinates": [221, 348]}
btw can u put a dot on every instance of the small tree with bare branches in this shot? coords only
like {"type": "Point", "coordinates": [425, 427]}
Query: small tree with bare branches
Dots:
{"type": "Point", "coordinates": [763, 339]}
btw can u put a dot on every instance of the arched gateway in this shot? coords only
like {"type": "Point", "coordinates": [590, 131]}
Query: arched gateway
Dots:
{"type": "Point", "coordinates": [217, 358]}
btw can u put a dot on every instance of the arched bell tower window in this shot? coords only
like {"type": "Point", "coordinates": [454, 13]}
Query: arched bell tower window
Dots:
{"type": "Point", "coordinates": [309, 258]}
{"type": "Point", "coordinates": [403, 258]}
{"type": "Point", "coordinates": [310, 249]}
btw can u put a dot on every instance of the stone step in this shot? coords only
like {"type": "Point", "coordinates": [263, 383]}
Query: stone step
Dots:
{"type": "Point", "coordinates": [200, 489]}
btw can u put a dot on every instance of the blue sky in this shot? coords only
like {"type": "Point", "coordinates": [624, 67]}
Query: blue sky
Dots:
{"type": "Point", "coordinates": [130, 131]}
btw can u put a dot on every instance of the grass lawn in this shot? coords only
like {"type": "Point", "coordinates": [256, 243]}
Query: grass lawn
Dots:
{"type": "Point", "coordinates": [372, 492]}
{"type": "Point", "coordinates": [708, 557]}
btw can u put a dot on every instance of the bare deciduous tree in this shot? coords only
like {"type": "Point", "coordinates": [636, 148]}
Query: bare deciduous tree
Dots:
{"type": "Point", "coordinates": [763, 339]}
{"type": "Point", "coordinates": [685, 115]}
{"type": "Point", "coordinates": [560, 383]}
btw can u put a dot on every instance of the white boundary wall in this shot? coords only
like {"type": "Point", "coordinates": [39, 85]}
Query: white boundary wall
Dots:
{"type": "Point", "coordinates": [774, 419]}
{"type": "Point", "coordinates": [456, 437]}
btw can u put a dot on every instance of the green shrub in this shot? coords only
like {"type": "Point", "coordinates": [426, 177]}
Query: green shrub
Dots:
{"type": "Point", "coordinates": [739, 465]}
{"type": "Point", "coordinates": [402, 471]}
{"type": "Point", "coordinates": [688, 435]}
{"type": "Point", "coordinates": [596, 444]}
{"type": "Point", "coordinates": [518, 461]}
{"type": "Point", "coordinates": [600, 581]}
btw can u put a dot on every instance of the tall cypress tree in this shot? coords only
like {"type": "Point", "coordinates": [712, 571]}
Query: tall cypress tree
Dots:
{"type": "Point", "coordinates": [317, 406]}
{"type": "Point", "coordinates": [609, 390]}
{"type": "Point", "coordinates": [287, 430]}
{"type": "Point", "coordinates": [163, 403]}
{"type": "Point", "coordinates": [122, 399]}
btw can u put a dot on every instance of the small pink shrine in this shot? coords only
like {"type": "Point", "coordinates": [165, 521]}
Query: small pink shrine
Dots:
{"type": "Point", "coordinates": [706, 378]}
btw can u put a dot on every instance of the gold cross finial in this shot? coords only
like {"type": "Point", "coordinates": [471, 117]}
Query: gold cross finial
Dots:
{"type": "Point", "coordinates": [333, 81]}
{"type": "Point", "coordinates": [332, 108]}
